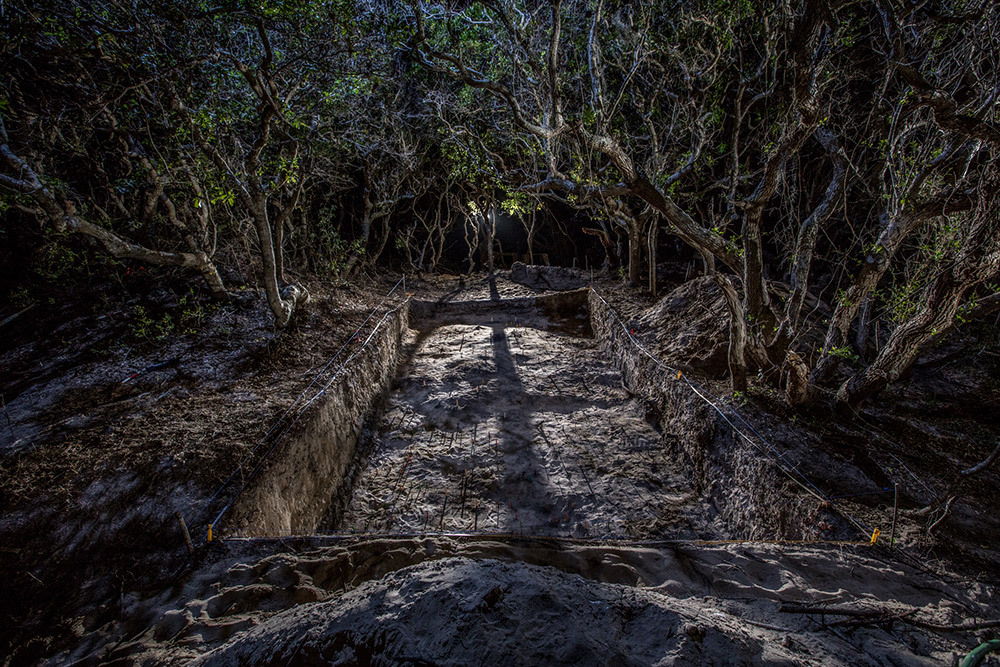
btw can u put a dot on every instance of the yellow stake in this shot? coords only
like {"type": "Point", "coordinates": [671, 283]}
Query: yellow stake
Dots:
{"type": "Point", "coordinates": [875, 535]}
{"type": "Point", "coordinates": [209, 532]}
{"type": "Point", "coordinates": [678, 375]}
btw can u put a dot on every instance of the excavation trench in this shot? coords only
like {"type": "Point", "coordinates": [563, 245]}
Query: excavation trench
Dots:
{"type": "Point", "coordinates": [534, 416]}
{"type": "Point", "coordinates": [473, 416]}
{"type": "Point", "coordinates": [507, 418]}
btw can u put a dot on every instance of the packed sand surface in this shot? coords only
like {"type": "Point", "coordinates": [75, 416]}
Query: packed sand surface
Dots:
{"type": "Point", "coordinates": [508, 427]}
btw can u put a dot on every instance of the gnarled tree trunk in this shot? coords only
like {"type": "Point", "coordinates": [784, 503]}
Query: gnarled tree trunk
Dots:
{"type": "Point", "coordinates": [62, 214]}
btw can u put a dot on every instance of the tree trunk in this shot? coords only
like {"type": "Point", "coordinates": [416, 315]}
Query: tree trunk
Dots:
{"type": "Point", "coordinates": [877, 262]}
{"type": "Point", "coordinates": [279, 252]}
{"type": "Point", "coordinates": [372, 257]}
{"type": "Point", "coordinates": [737, 333]}
{"type": "Point", "coordinates": [423, 251]}
{"type": "Point", "coordinates": [490, 234]}
{"type": "Point", "coordinates": [805, 244]}
{"type": "Point", "coordinates": [755, 291]}
{"type": "Point", "coordinates": [211, 275]}
{"type": "Point", "coordinates": [362, 244]}
{"type": "Point", "coordinates": [366, 231]}
{"type": "Point", "coordinates": [532, 230]}
{"type": "Point", "coordinates": [472, 240]}
{"type": "Point", "coordinates": [936, 315]}
{"type": "Point", "coordinates": [651, 251]}
{"type": "Point", "coordinates": [634, 251]}
{"type": "Point", "coordinates": [978, 261]}
{"type": "Point", "coordinates": [864, 324]}
{"type": "Point", "coordinates": [282, 308]}
{"type": "Point", "coordinates": [796, 379]}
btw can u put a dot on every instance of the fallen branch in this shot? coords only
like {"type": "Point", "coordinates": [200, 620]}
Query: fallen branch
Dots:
{"type": "Point", "coordinates": [985, 464]}
{"type": "Point", "coordinates": [982, 625]}
{"type": "Point", "coordinates": [835, 611]}
{"type": "Point", "coordinates": [944, 514]}
{"type": "Point", "coordinates": [952, 492]}
{"type": "Point", "coordinates": [855, 623]}
{"type": "Point", "coordinates": [17, 314]}
{"type": "Point", "coordinates": [886, 614]}
{"type": "Point", "coordinates": [768, 626]}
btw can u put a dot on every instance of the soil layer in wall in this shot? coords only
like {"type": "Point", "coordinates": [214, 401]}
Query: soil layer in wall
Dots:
{"type": "Point", "coordinates": [310, 470]}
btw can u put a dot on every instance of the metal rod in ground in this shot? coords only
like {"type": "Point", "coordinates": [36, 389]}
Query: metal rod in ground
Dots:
{"type": "Point", "coordinates": [444, 506]}
{"type": "Point", "coordinates": [185, 533]}
{"type": "Point", "coordinates": [465, 479]}
{"type": "Point", "coordinates": [475, 512]}
{"type": "Point", "coordinates": [895, 512]}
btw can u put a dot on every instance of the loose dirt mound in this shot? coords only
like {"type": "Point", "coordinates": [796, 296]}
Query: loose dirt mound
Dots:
{"type": "Point", "coordinates": [689, 328]}
{"type": "Point", "coordinates": [488, 601]}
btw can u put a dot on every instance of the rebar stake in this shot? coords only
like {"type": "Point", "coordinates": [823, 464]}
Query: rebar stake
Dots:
{"type": "Point", "coordinates": [895, 512]}
{"type": "Point", "coordinates": [444, 506]}
{"type": "Point", "coordinates": [465, 478]}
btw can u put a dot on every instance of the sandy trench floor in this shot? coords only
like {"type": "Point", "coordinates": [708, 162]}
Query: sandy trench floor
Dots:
{"type": "Point", "coordinates": [507, 428]}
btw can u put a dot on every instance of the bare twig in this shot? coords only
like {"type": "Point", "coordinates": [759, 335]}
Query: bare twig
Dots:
{"type": "Point", "coordinates": [979, 467]}
{"type": "Point", "coordinates": [944, 514]}
{"type": "Point", "coordinates": [886, 614]}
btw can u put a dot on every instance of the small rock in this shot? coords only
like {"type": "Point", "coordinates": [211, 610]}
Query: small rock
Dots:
{"type": "Point", "coordinates": [695, 632]}
{"type": "Point", "coordinates": [491, 599]}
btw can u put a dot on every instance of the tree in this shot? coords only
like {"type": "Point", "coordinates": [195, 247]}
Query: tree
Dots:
{"type": "Point", "coordinates": [746, 133]}
{"type": "Point", "coordinates": [88, 168]}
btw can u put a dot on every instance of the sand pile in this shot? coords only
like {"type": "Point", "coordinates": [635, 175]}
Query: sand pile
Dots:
{"type": "Point", "coordinates": [689, 328]}
{"type": "Point", "coordinates": [437, 600]}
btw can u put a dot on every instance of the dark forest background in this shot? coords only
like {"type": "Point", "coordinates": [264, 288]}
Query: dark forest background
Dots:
{"type": "Point", "coordinates": [831, 164]}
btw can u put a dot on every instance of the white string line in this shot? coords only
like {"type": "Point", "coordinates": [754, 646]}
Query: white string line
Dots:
{"type": "Point", "coordinates": [817, 494]}
{"type": "Point", "coordinates": [284, 414]}
{"type": "Point", "coordinates": [304, 408]}
{"type": "Point", "coordinates": [619, 539]}
{"type": "Point", "coordinates": [815, 491]}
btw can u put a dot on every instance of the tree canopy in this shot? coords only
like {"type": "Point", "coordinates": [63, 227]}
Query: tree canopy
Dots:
{"type": "Point", "coordinates": [832, 164]}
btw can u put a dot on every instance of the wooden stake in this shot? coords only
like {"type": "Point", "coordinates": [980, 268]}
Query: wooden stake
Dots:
{"type": "Point", "coordinates": [185, 533]}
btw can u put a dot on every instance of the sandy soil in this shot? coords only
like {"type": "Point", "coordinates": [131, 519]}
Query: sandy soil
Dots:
{"type": "Point", "coordinates": [524, 417]}
{"type": "Point", "coordinates": [512, 428]}
{"type": "Point", "coordinates": [478, 600]}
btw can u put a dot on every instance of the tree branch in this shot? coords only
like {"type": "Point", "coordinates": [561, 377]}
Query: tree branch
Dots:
{"type": "Point", "coordinates": [945, 108]}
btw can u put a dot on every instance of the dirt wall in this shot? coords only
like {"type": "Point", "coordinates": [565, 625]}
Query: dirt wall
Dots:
{"type": "Point", "coordinates": [754, 498]}
{"type": "Point", "coordinates": [544, 311]}
{"type": "Point", "coordinates": [309, 471]}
